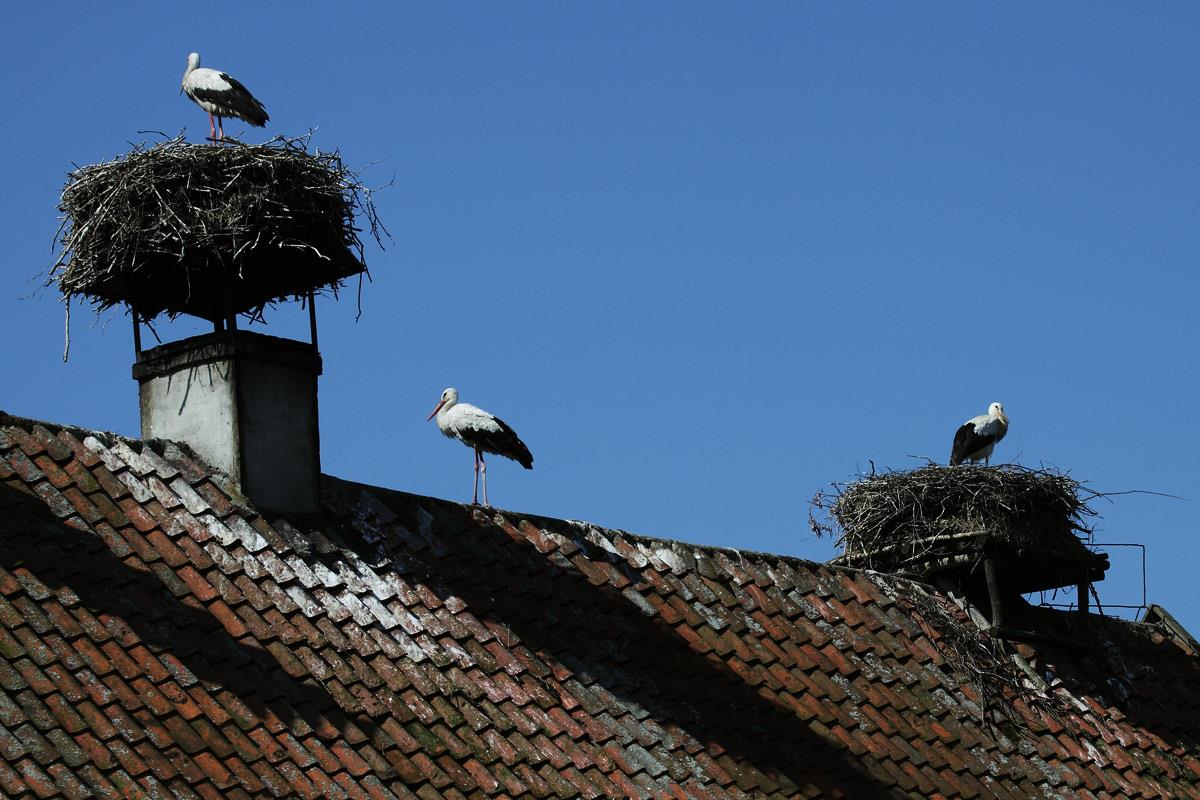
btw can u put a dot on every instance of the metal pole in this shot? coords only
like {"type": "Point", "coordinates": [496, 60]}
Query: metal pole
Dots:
{"type": "Point", "coordinates": [312, 318]}
{"type": "Point", "coordinates": [1083, 589]}
{"type": "Point", "coordinates": [137, 336]}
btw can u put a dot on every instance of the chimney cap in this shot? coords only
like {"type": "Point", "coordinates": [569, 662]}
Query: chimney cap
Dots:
{"type": "Point", "coordinates": [167, 359]}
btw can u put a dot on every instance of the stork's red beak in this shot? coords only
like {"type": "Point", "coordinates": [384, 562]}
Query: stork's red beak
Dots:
{"type": "Point", "coordinates": [436, 409]}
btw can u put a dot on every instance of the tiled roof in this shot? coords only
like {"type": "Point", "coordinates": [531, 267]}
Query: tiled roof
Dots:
{"type": "Point", "coordinates": [160, 638]}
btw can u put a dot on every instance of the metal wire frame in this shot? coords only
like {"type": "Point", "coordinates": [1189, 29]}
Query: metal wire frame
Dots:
{"type": "Point", "coordinates": [1097, 545]}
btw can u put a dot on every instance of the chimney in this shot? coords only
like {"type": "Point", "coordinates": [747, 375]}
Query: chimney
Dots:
{"type": "Point", "coordinates": [247, 404]}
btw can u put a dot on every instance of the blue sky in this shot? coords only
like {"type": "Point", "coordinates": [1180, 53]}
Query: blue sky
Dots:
{"type": "Point", "coordinates": [706, 258]}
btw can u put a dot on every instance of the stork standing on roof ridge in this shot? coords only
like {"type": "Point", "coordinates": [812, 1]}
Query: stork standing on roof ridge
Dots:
{"type": "Point", "coordinates": [976, 437]}
{"type": "Point", "coordinates": [220, 94]}
{"type": "Point", "coordinates": [482, 432]}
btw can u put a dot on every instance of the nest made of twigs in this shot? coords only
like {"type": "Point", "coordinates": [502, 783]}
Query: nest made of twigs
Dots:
{"type": "Point", "coordinates": [210, 229]}
{"type": "Point", "coordinates": [886, 520]}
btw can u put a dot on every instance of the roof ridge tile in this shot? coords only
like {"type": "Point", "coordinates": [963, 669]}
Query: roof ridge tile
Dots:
{"type": "Point", "coordinates": [23, 466]}
{"type": "Point", "coordinates": [55, 447]}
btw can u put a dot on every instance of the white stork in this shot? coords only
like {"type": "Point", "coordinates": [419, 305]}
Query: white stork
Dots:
{"type": "Point", "coordinates": [222, 95]}
{"type": "Point", "coordinates": [978, 435]}
{"type": "Point", "coordinates": [480, 431]}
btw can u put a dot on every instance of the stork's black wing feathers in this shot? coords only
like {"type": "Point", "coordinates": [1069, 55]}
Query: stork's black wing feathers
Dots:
{"type": "Point", "coordinates": [503, 442]}
{"type": "Point", "coordinates": [966, 442]}
{"type": "Point", "coordinates": [237, 99]}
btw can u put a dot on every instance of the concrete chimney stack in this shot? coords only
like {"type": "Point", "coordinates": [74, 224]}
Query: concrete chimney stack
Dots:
{"type": "Point", "coordinates": [247, 404]}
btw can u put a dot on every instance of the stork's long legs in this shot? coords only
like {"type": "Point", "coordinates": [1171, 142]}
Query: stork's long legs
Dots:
{"type": "Point", "coordinates": [212, 129]}
{"type": "Point", "coordinates": [480, 469]}
{"type": "Point", "coordinates": [475, 491]}
{"type": "Point", "coordinates": [483, 470]}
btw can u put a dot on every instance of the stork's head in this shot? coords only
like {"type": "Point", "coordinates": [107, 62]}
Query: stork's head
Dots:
{"type": "Point", "coordinates": [997, 410]}
{"type": "Point", "coordinates": [193, 62]}
{"type": "Point", "coordinates": [449, 398]}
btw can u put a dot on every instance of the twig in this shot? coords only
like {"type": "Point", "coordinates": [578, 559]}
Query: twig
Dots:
{"type": "Point", "coordinates": [67, 329]}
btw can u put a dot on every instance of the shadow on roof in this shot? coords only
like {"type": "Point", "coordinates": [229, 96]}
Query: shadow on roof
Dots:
{"type": "Point", "coordinates": [551, 607]}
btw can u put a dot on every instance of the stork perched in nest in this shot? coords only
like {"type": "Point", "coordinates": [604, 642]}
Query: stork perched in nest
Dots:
{"type": "Point", "coordinates": [480, 431]}
{"type": "Point", "coordinates": [222, 95]}
{"type": "Point", "coordinates": [976, 438]}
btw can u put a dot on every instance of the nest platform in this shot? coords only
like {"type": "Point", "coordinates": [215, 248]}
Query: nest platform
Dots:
{"type": "Point", "coordinates": [937, 520]}
{"type": "Point", "coordinates": [210, 230]}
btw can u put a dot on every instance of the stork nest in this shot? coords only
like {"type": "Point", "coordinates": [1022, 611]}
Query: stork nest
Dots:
{"type": "Point", "coordinates": [211, 229]}
{"type": "Point", "coordinates": [892, 520]}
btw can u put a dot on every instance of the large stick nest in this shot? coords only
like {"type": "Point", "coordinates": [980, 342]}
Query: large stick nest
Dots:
{"type": "Point", "coordinates": [893, 519]}
{"type": "Point", "coordinates": [210, 230]}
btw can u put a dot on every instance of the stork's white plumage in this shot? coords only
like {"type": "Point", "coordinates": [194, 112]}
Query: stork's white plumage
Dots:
{"type": "Point", "coordinates": [482, 432]}
{"type": "Point", "coordinates": [976, 438]}
{"type": "Point", "coordinates": [221, 95]}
